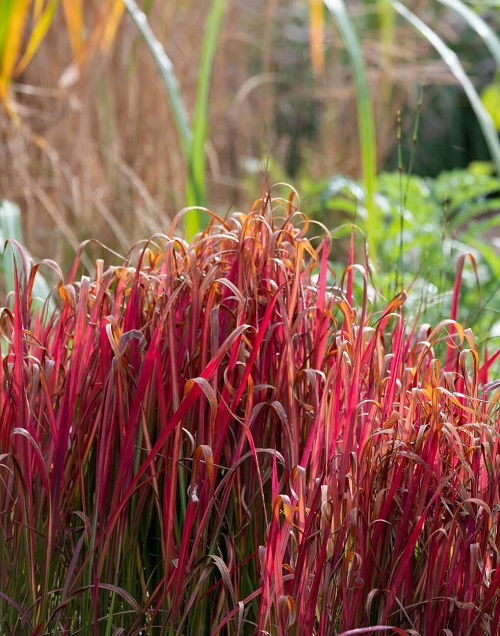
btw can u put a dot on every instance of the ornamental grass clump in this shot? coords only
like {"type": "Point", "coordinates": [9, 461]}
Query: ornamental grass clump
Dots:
{"type": "Point", "coordinates": [221, 438]}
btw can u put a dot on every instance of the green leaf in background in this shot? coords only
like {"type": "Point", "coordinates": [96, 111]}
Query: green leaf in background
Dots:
{"type": "Point", "coordinates": [10, 228]}
{"type": "Point", "coordinates": [454, 213]}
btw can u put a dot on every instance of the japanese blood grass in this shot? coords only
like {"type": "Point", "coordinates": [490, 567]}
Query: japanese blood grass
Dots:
{"type": "Point", "coordinates": [217, 438]}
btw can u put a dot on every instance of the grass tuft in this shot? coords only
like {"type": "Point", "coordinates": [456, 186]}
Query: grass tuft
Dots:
{"type": "Point", "coordinates": [219, 437]}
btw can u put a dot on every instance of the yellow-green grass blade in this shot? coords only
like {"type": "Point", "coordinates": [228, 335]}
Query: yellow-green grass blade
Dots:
{"type": "Point", "coordinates": [455, 66]}
{"type": "Point", "coordinates": [387, 23]}
{"type": "Point", "coordinates": [13, 20]}
{"type": "Point", "coordinates": [365, 118]}
{"type": "Point", "coordinates": [5, 14]}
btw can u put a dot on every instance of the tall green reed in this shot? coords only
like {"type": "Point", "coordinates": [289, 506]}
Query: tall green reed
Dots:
{"type": "Point", "coordinates": [193, 136]}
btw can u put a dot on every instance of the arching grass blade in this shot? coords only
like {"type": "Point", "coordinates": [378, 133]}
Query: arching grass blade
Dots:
{"type": "Point", "coordinates": [455, 66]}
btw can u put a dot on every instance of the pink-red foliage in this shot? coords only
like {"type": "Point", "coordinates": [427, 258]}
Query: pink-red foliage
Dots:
{"type": "Point", "coordinates": [220, 438]}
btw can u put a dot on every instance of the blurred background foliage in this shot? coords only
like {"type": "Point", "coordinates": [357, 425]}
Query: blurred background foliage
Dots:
{"type": "Point", "coordinates": [91, 143]}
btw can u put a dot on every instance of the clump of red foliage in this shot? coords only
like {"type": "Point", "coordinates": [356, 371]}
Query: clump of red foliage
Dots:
{"type": "Point", "coordinates": [217, 437]}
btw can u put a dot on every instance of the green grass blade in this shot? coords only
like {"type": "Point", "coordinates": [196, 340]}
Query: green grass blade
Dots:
{"type": "Point", "coordinates": [476, 22]}
{"type": "Point", "coordinates": [365, 117]}
{"type": "Point", "coordinates": [453, 63]}
{"type": "Point", "coordinates": [387, 22]}
{"type": "Point", "coordinates": [5, 11]}
{"type": "Point", "coordinates": [192, 139]}
{"type": "Point", "coordinates": [167, 73]}
{"type": "Point", "coordinates": [196, 188]}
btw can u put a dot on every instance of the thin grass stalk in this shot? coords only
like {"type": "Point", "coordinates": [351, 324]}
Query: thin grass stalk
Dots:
{"type": "Point", "coordinates": [366, 126]}
{"type": "Point", "coordinates": [480, 26]}
{"type": "Point", "coordinates": [387, 23]}
{"type": "Point", "coordinates": [167, 73]}
{"type": "Point", "coordinates": [194, 189]}
{"type": "Point", "coordinates": [452, 61]}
